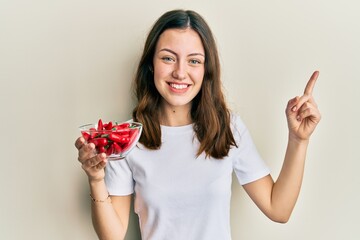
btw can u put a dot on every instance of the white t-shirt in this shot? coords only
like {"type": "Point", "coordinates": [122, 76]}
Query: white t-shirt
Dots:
{"type": "Point", "coordinates": [179, 196]}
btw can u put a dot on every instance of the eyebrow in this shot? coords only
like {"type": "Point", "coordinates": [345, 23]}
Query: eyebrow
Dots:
{"type": "Point", "coordinates": [171, 51]}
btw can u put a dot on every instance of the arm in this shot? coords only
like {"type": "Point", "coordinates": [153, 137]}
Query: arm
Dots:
{"type": "Point", "coordinates": [110, 216]}
{"type": "Point", "coordinates": [110, 219]}
{"type": "Point", "coordinates": [277, 199]}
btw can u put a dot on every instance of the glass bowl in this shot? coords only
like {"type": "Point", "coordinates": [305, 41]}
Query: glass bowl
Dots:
{"type": "Point", "coordinates": [114, 139]}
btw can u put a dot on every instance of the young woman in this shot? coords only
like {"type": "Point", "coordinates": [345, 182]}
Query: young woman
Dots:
{"type": "Point", "coordinates": [181, 170]}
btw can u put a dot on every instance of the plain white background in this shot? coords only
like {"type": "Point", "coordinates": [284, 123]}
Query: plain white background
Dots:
{"type": "Point", "coordinates": [66, 63]}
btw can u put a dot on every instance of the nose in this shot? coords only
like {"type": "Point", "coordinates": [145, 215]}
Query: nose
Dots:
{"type": "Point", "coordinates": [179, 71]}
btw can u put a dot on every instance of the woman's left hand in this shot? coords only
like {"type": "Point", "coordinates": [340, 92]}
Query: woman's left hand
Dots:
{"type": "Point", "coordinates": [302, 113]}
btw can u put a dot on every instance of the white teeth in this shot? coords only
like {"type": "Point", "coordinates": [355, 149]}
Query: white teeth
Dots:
{"type": "Point", "coordinates": [178, 86]}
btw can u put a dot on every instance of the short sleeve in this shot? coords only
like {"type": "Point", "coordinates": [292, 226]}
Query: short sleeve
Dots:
{"type": "Point", "coordinates": [118, 178]}
{"type": "Point", "coordinates": [247, 163]}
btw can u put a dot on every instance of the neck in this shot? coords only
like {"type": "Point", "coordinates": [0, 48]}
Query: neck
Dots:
{"type": "Point", "coordinates": [175, 116]}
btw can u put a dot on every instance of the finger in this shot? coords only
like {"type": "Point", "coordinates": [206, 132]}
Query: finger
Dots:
{"type": "Point", "coordinates": [311, 113]}
{"type": "Point", "coordinates": [307, 108]}
{"type": "Point", "coordinates": [94, 161]}
{"type": "Point", "coordinates": [301, 101]}
{"type": "Point", "coordinates": [86, 151]}
{"type": "Point", "coordinates": [101, 165]}
{"type": "Point", "coordinates": [311, 83]}
{"type": "Point", "coordinates": [79, 142]}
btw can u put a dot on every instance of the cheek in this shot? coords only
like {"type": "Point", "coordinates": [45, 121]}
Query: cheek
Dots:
{"type": "Point", "coordinates": [157, 83]}
{"type": "Point", "coordinates": [199, 77]}
{"type": "Point", "coordinates": [161, 73]}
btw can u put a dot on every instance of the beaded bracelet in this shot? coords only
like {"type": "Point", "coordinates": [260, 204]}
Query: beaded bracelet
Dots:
{"type": "Point", "coordinates": [107, 199]}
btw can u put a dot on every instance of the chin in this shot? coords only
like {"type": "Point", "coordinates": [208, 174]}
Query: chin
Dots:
{"type": "Point", "coordinates": [178, 103]}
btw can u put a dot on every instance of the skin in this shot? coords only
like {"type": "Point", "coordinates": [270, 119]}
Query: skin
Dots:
{"type": "Point", "coordinates": [277, 199]}
{"type": "Point", "coordinates": [176, 61]}
{"type": "Point", "coordinates": [179, 58]}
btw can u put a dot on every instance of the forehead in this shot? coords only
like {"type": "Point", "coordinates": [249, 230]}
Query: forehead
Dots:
{"type": "Point", "coordinates": [180, 40]}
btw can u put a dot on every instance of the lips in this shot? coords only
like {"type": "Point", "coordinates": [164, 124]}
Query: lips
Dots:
{"type": "Point", "coordinates": [178, 86]}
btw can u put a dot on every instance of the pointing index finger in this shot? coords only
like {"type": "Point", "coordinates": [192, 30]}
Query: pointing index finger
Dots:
{"type": "Point", "coordinates": [311, 83]}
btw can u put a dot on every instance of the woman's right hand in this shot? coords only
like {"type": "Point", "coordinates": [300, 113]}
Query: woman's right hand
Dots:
{"type": "Point", "coordinates": [92, 163]}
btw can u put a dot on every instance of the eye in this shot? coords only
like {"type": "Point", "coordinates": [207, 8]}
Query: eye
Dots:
{"type": "Point", "coordinates": [167, 59]}
{"type": "Point", "coordinates": [194, 61]}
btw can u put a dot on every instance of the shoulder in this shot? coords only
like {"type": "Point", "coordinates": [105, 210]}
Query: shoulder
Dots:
{"type": "Point", "coordinates": [237, 124]}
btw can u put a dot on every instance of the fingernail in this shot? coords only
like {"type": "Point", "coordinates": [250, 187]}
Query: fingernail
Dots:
{"type": "Point", "coordinates": [298, 118]}
{"type": "Point", "coordinates": [294, 109]}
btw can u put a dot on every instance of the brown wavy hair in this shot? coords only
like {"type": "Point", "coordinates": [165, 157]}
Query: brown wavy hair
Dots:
{"type": "Point", "coordinates": [209, 112]}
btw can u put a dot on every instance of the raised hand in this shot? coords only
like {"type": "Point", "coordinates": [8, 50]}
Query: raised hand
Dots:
{"type": "Point", "coordinates": [93, 164]}
{"type": "Point", "coordinates": [302, 112]}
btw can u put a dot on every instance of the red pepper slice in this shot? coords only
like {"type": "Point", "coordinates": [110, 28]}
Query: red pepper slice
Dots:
{"type": "Point", "coordinates": [101, 149]}
{"type": "Point", "coordinates": [110, 150]}
{"type": "Point", "coordinates": [123, 131]}
{"type": "Point", "coordinates": [118, 138]}
{"type": "Point", "coordinates": [99, 142]}
{"type": "Point", "coordinates": [86, 135]}
{"type": "Point", "coordinates": [123, 125]}
{"type": "Point", "coordinates": [114, 137]}
{"type": "Point", "coordinates": [124, 140]}
{"type": "Point", "coordinates": [117, 148]}
{"type": "Point", "coordinates": [93, 133]}
{"type": "Point", "coordinates": [134, 133]}
{"type": "Point", "coordinates": [108, 126]}
{"type": "Point", "coordinates": [100, 125]}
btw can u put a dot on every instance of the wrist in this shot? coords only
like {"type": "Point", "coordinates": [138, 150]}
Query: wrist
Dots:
{"type": "Point", "coordinates": [96, 182]}
{"type": "Point", "coordinates": [98, 189]}
{"type": "Point", "coordinates": [296, 145]}
{"type": "Point", "coordinates": [103, 200]}
{"type": "Point", "coordinates": [298, 141]}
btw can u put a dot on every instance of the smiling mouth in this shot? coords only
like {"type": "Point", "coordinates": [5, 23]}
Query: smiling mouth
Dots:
{"type": "Point", "coordinates": [179, 86]}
